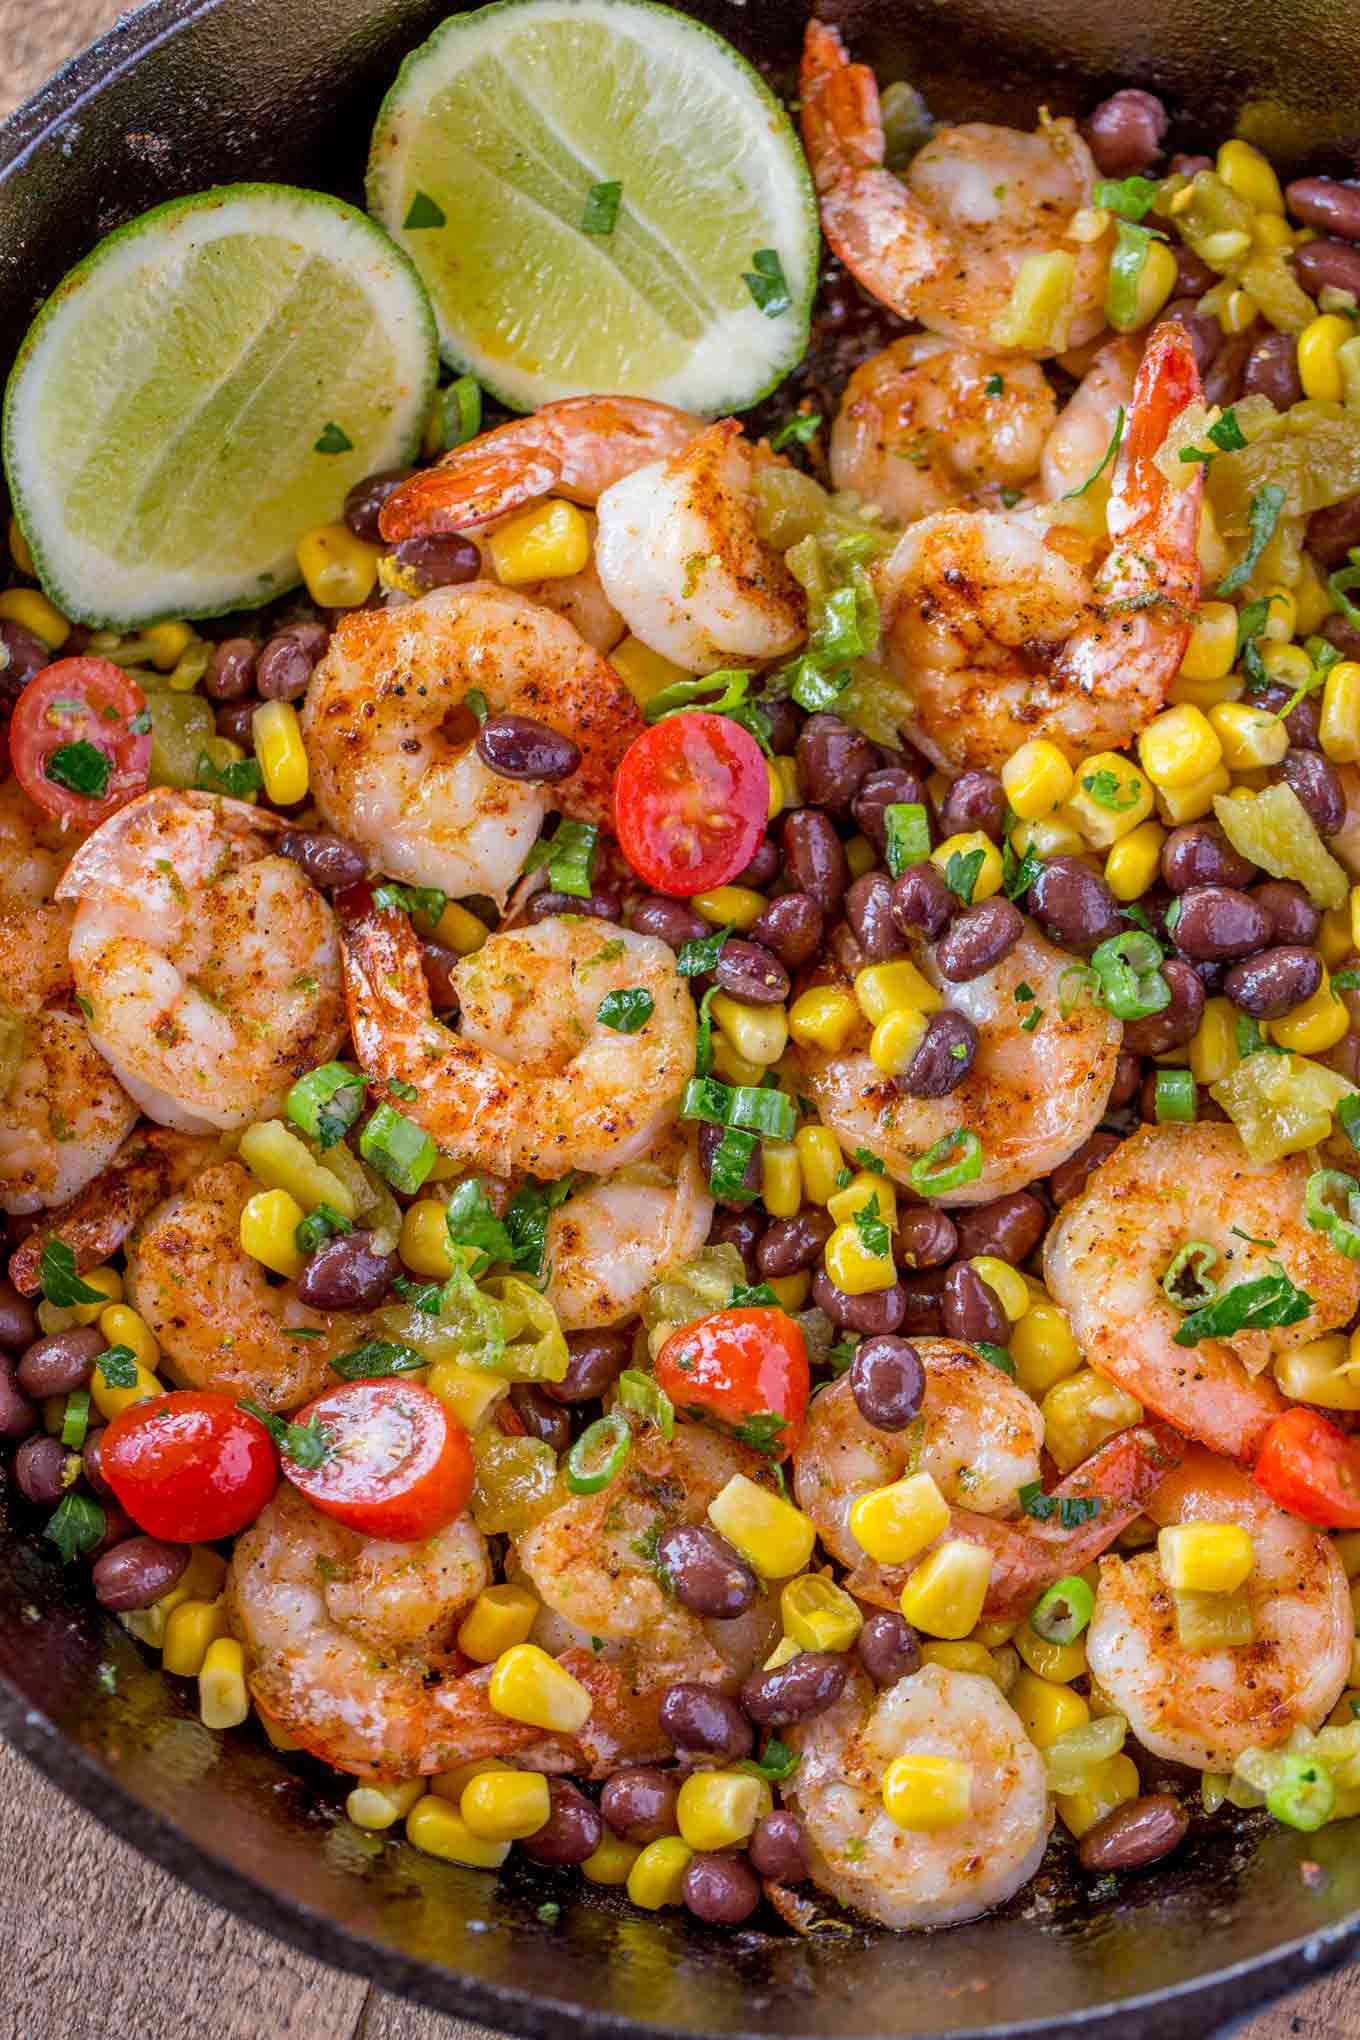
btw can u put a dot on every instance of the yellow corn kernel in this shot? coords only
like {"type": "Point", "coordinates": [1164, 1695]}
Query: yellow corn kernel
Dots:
{"type": "Point", "coordinates": [469, 1392]}
{"type": "Point", "coordinates": [986, 882]}
{"type": "Point", "coordinates": [784, 1651]}
{"type": "Point", "coordinates": [1210, 550]}
{"type": "Point", "coordinates": [1211, 653]}
{"type": "Point", "coordinates": [737, 904]}
{"type": "Point", "coordinates": [968, 1656]}
{"type": "Point", "coordinates": [928, 1793]}
{"type": "Point", "coordinates": [273, 1152]}
{"type": "Point", "coordinates": [1081, 1412]}
{"type": "Point", "coordinates": [787, 768]}
{"type": "Point", "coordinates": [375, 1807]}
{"type": "Point", "coordinates": [781, 1179]}
{"type": "Point", "coordinates": [1178, 747]}
{"type": "Point", "coordinates": [770, 1533]}
{"type": "Point", "coordinates": [27, 607]}
{"type": "Point", "coordinates": [123, 1326]}
{"type": "Point", "coordinates": [1281, 615]}
{"type": "Point", "coordinates": [657, 1877]}
{"type": "Point", "coordinates": [1040, 304]}
{"type": "Point", "coordinates": [719, 1809]}
{"type": "Point", "coordinates": [1246, 171]}
{"type": "Point", "coordinates": [202, 1579]}
{"type": "Point", "coordinates": [776, 789]}
{"type": "Point", "coordinates": [819, 1153]}
{"type": "Point", "coordinates": [1269, 231]}
{"type": "Point", "coordinates": [860, 856]}
{"type": "Point", "coordinates": [223, 1701]}
{"type": "Point", "coordinates": [499, 1618]}
{"type": "Point", "coordinates": [1010, 1287]}
{"type": "Point", "coordinates": [791, 1292]}
{"type": "Point", "coordinates": [1206, 694]}
{"type": "Point", "coordinates": [1336, 937]}
{"type": "Point", "coordinates": [823, 1017]}
{"type": "Point", "coordinates": [528, 1685]}
{"type": "Point", "coordinates": [1251, 737]}
{"type": "Point", "coordinates": [895, 1040]}
{"type": "Point", "coordinates": [424, 1240]}
{"type": "Point", "coordinates": [167, 643]}
{"type": "Point", "coordinates": [1237, 310]}
{"type": "Point", "coordinates": [505, 1806]}
{"type": "Point", "coordinates": [818, 1614]}
{"type": "Point", "coordinates": [438, 1829]}
{"type": "Point", "coordinates": [1049, 836]}
{"type": "Point", "coordinates": [1205, 1558]}
{"type": "Point", "coordinates": [1177, 804]}
{"type": "Point", "coordinates": [1058, 1662]}
{"type": "Point", "coordinates": [1312, 603]}
{"type": "Point", "coordinates": [18, 550]}
{"type": "Point", "coordinates": [1110, 799]}
{"type": "Point", "coordinates": [1135, 861]}
{"type": "Point", "coordinates": [945, 1594]}
{"type": "Point", "coordinates": [1324, 1371]}
{"type": "Point", "coordinates": [612, 1863]}
{"type": "Point", "coordinates": [883, 988]}
{"type": "Point", "coordinates": [277, 736]}
{"type": "Point", "coordinates": [1319, 366]}
{"type": "Point", "coordinates": [1339, 720]}
{"type": "Point", "coordinates": [731, 1067]}
{"type": "Point", "coordinates": [1213, 1048]}
{"type": "Point", "coordinates": [1037, 779]}
{"type": "Point", "coordinates": [460, 930]}
{"type": "Point", "coordinates": [1314, 1026]}
{"type": "Point", "coordinates": [547, 543]}
{"type": "Point", "coordinates": [1106, 1787]}
{"type": "Point", "coordinates": [1043, 1348]}
{"type": "Point", "coordinates": [853, 1268]}
{"type": "Point", "coordinates": [894, 1524]}
{"type": "Point", "coordinates": [109, 1283]}
{"type": "Point", "coordinates": [643, 671]}
{"type": "Point", "coordinates": [865, 1188]}
{"type": "Point", "coordinates": [339, 569]}
{"type": "Point", "coordinates": [268, 1227]}
{"type": "Point", "coordinates": [451, 1785]}
{"type": "Point", "coordinates": [190, 1629]}
{"type": "Point", "coordinates": [759, 1033]}
{"type": "Point", "coordinates": [111, 1401]}
{"type": "Point", "coordinates": [1155, 282]}
{"type": "Point", "coordinates": [1353, 905]}
{"type": "Point", "coordinates": [1046, 1710]}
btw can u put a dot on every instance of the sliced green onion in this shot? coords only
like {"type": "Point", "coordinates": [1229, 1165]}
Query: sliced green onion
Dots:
{"type": "Point", "coordinates": [1130, 197]}
{"type": "Point", "coordinates": [460, 411]}
{"type": "Point", "coordinates": [75, 1421]}
{"type": "Point", "coordinates": [1127, 263]}
{"type": "Point", "coordinates": [321, 1224]}
{"type": "Point", "coordinates": [1304, 1796]}
{"type": "Point", "coordinates": [569, 856]}
{"type": "Point", "coordinates": [1128, 974]}
{"type": "Point", "coordinates": [757, 1108]}
{"type": "Point", "coordinates": [326, 1102]}
{"type": "Point", "coordinates": [933, 1174]}
{"type": "Point", "coordinates": [598, 1455]}
{"type": "Point", "coordinates": [638, 1392]}
{"type": "Point", "coordinates": [1175, 1097]}
{"type": "Point", "coordinates": [1331, 1204]}
{"type": "Point", "coordinates": [1064, 1611]}
{"type": "Point", "coordinates": [402, 1152]}
{"type": "Point", "coordinates": [1186, 1283]}
{"type": "Point", "coordinates": [906, 827]}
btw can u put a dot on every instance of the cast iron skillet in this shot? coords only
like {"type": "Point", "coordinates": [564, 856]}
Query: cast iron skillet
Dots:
{"type": "Point", "coordinates": [183, 95]}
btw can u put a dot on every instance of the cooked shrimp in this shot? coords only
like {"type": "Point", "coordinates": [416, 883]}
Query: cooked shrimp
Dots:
{"type": "Point", "coordinates": [34, 927]}
{"type": "Point", "coordinates": [619, 1234]}
{"type": "Point", "coordinates": [393, 763]}
{"type": "Point", "coordinates": [151, 1163]}
{"type": "Point", "coordinates": [63, 1116]}
{"type": "Point", "coordinates": [910, 1878]}
{"type": "Point", "coordinates": [1104, 1259]}
{"type": "Point", "coordinates": [927, 424]}
{"type": "Point", "coordinates": [534, 1082]}
{"type": "Point", "coordinates": [1031, 1098]}
{"type": "Point", "coordinates": [208, 964]}
{"type": "Point", "coordinates": [1203, 1708]}
{"type": "Point", "coordinates": [997, 636]}
{"type": "Point", "coordinates": [1078, 442]}
{"type": "Point", "coordinates": [944, 244]}
{"type": "Point", "coordinates": [580, 599]}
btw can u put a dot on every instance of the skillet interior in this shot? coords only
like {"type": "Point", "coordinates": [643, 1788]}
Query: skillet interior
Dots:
{"type": "Point", "coordinates": [183, 95]}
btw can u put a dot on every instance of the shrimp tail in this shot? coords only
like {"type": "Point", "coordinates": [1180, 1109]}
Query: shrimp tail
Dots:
{"type": "Point", "coordinates": [1154, 525]}
{"type": "Point", "coordinates": [150, 1166]}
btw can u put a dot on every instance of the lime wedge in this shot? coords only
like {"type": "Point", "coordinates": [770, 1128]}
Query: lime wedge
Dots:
{"type": "Point", "coordinates": [494, 164]}
{"type": "Point", "coordinates": [201, 390]}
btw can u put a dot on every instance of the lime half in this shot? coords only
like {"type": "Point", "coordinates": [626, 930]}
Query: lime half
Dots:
{"type": "Point", "coordinates": [602, 196]}
{"type": "Point", "coordinates": [201, 390]}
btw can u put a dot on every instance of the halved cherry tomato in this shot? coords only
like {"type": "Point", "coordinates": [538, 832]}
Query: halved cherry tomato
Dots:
{"type": "Point", "coordinates": [76, 750]}
{"type": "Point", "coordinates": [189, 1466]}
{"type": "Point", "coordinates": [745, 1369]}
{"type": "Point", "coordinates": [691, 800]}
{"type": "Point", "coordinates": [397, 1463]}
{"type": "Point", "coordinates": [1312, 1469]}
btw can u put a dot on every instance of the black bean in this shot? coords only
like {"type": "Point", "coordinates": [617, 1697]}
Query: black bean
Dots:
{"type": "Point", "coordinates": [1069, 1179]}
{"type": "Point", "coordinates": [978, 939]}
{"type": "Point", "coordinates": [231, 671]}
{"type": "Point", "coordinates": [137, 1572]}
{"type": "Point", "coordinates": [603, 904]}
{"type": "Point", "coordinates": [1319, 264]}
{"type": "Point", "coordinates": [926, 1237]}
{"type": "Point", "coordinates": [235, 721]}
{"type": "Point", "coordinates": [889, 1648]}
{"type": "Point", "coordinates": [751, 972]}
{"type": "Point", "coordinates": [1205, 333]}
{"type": "Point", "coordinates": [1183, 164]}
{"type": "Point", "coordinates": [522, 747]}
{"type": "Point", "coordinates": [440, 963]}
{"type": "Point", "coordinates": [882, 1310]}
{"type": "Point", "coordinates": [1139, 1832]}
{"type": "Point", "coordinates": [1343, 635]}
{"type": "Point", "coordinates": [891, 786]}
{"type": "Point", "coordinates": [720, 1890]}
{"type": "Point", "coordinates": [778, 1847]}
{"type": "Point", "coordinates": [710, 1139]}
{"type": "Point", "coordinates": [791, 927]}
{"type": "Point", "coordinates": [1009, 1227]}
{"type": "Point", "coordinates": [541, 1417]}
{"type": "Point", "coordinates": [975, 800]}
{"type": "Point", "coordinates": [1301, 723]}
{"type": "Point", "coordinates": [1272, 983]}
{"type": "Point", "coordinates": [284, 668]}
{"type": "Point", "coordinates": [868, 909]}
{"type": "Point", "coordinates": [702, 1722]}
{"type": "Point", "coordinates": [329, 861]}
{"type": "Point", "coordinates": [843, 950]}
{"type": "Point", "coordinates": [923, 1303]}
{"type": "Point", "coordinates": [1126, 131]}
{"type": "Point", "coordinates": [118, 1525]}
{"type": "Point", "coordinates": [347, 1273]}
{"type": "Point", "coordinates": [808, 1684]}
{"type": "Point", "coordinates": [1317, 784]}
{"type": "Point", "coordinates": [944, 1058]}
{"type": "Point", "coordinates": [366, 499]}
{"type": "Point", "coordinates": [1218, 922]}
{"type": "Point", "coordinates": [1293, 917]}
{"type": "Point", "coordinates": [743, 1230]}
{"type": "Point", "coordinates": [90, 1462]}
{"type": "Point", "coordinates": [1175, 1024]}
{"type": "Point", "coordinates": [442, 562]}
{"type": "Point", "coordinates": [38, 1468]}
{"type": "Point", "coordinates": [671, 921]}
{"type": "Point", "coordinates": [762, 868]}
{"type": "Point", "coordinates": [22, 654]}
{"type": "Point", "coordinates": [61, 1362]}
{"type": "Point", "coordinates": [971, 1308]}
{"type": "Point", "coordinates": [1074, 906]}
{"type": "Point", "coordinates": [1332, 532]}
{"type": "Point", "coordinates": [815, 857]}
{"type": "Point", "coordinates": [1272, 371]}
{"type": "Point", "coordinates": [788, 1245]}
{"type": "Point", "coordinates": [18, 1320]}
{"type": "Point", "coordinates": [595, 1360]}
{"type": "Point", "coordinates": [786, 720]}
{"type": "Point", "coordinates": [834, 760]}
{"type": "Point", "coordinates": [639, 1803]}
{"type": "Point", "coordinates": [573, 1830]}
{"type": "Point", "coordinates": [888, 1382]}
{"type": "Point", "coordinates": [1198, 853]}
{"type": "Point", "coordinates": [1223, 382]}
{"type": "Point", "coordinates": [1128, 1074]}
{"type": "Point", "coordinates": [709, 1575]}
{"type": "Point", "coordinates": [921, 899]}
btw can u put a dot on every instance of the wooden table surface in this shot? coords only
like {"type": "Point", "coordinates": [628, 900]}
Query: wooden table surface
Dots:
{"type": "Point", "coordinates": [102, 1943]}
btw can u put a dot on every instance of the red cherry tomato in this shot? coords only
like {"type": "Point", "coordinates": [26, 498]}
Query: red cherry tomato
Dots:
{"type": "Point", "coordinates": [398, 1464]}
{"type": "Point", "coordinates": [75, 750]}
{"type": "Point", "coordinates": [1312, 1469]}
{"type": "Point", "coordinates": [691, 800]}
{"type": "Point", "coordinates": [189, 1466]}
{"type": "Point", "coordinates": [745, 1369]}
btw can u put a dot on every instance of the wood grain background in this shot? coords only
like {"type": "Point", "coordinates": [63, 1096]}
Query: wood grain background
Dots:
{"type": "Point", "coordinates": [98, 1942]}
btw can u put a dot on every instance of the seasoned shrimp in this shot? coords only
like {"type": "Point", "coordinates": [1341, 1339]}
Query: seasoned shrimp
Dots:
{"type": "Point", "coordinates": [1104, 1259]}
{"type": "Point", "coordinates": [927, 424]}
{"type": "Point", "coordinates": [1031, 1098]}
{"type": "Point", "coordinates": [150, 1164]}
{"type": "Point", "coordinates": [393, 763]}
{"type": "Point", "coordinates": [619, 1234]}
{"type": "Point", "coordinates": [911, 1878]}
{"type": "Point", "coordinates": [207, 963]}
{"type": "Point", "coordinates": [63, 1116]}
{"type": "Point", "coordinates": [34, 928]}
{"type": "Point", "coordinates": [534, 1082]}
{"type": "Point", "coordinates": [996, 636]}
{"type": "Point", "coordinates": [944, 244]}
{"type": "Point", "coordinates": [1203, 1708]}
{"type": "Point", "coordinates": [1077, 443]}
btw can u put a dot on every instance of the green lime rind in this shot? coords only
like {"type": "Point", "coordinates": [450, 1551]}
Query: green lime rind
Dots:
{"type": "Point", "coordinates": [502, 124]}
{"type": "Point", "coordinates": [162, 417]}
